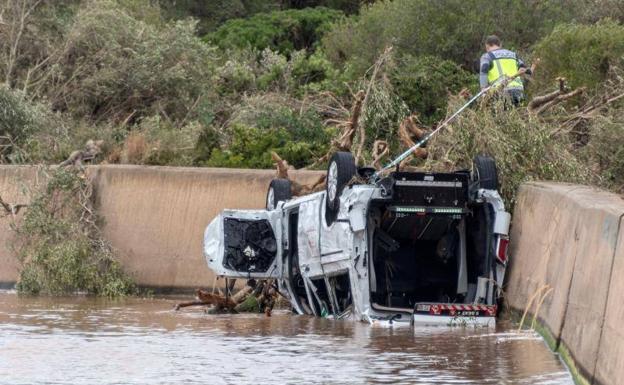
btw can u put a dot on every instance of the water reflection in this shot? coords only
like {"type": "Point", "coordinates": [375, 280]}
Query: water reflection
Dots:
{"type": "Point", "coordinates": [142, 341]}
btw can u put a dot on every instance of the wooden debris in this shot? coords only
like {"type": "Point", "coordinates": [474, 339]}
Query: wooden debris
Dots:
{"type": "Point", "coordinates": [261, 295]}
{"type": "Point", "coordinates": [380, 150]}
{"type": "Point", "coordinates": [91, 150]}
{"type": "Point", "coordinates": [409, 132]}
{"type": "Point", "coordinates": [558, 99]}
{"type": "Point", "coordinates": [348, 129]}
{"type": "Point", "coordinates": [297, 189]}
{"type": "Point", "coordinates": [205, 298]}
{"type": "Point", "coordinates": [539, 101]}
{"type": "Point", "coordinates": [10, 208]}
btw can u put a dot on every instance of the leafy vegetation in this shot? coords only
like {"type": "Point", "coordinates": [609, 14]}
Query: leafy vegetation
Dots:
{"type": "Point", "coordinates": [60, 247]}
{"type": "Point", "coordinates": [281, 31]}
{"type": "Point", "coordinates": [223, 84]}
{"type": "Point", "coordinates": [424, 83]}
{"type": "Point", "coordinates": [583, 54]}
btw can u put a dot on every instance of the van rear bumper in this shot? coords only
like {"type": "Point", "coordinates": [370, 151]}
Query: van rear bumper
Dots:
{"type": "Point", "coordinates": [436, 314]}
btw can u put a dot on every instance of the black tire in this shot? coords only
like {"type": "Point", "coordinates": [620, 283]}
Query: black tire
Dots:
{"type": "Point", "coordinates": [340, 171]}
{"type": "Point", "coordinates": [279, 190]}
{"type": "Point", "coordinates": [484, 171]}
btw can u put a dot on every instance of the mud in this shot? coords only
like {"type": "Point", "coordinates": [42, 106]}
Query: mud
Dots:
{"type": "Point", "coordinates": [143, 341]}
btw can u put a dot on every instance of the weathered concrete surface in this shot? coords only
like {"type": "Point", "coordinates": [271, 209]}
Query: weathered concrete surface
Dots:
{"type": "Point", "coordinates": [566, 236]}
{"type": "Point", "coordinates": [597, 236]}
{"type": "Point", "coordinates": [610, 366]}
{"type": "Point", "coordinates": [543, 249]}
{"type": "Point", "coordinates": [155, 216]}
{"type": "Point", "coordinates": [14, 184]}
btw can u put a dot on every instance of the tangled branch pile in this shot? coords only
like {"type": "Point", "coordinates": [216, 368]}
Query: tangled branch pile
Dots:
{"type": "Point", "coordinates": [60, 245]}
{"type": "Point", "coordinates": [255, 297]}
{"type": "Point", "coordinates": [565, 135]}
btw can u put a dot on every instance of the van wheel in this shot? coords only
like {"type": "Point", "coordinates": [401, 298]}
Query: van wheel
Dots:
{"type": "Point", "coordinates": [340, 171]}
{"type": "Point", "coordinates": [484, 172]}
{"type": "Point", "coordinates": [279, 190]}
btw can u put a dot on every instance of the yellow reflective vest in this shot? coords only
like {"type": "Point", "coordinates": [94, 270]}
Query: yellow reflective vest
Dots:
{"type": "Point", "coordinates": [504, 63]}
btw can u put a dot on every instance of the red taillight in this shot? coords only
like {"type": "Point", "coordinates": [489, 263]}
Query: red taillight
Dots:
{"type": "Point", "coordinates": [503, 243]}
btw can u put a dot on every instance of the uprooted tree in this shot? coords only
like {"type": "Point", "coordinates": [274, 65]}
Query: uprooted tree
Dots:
{"type": "Point", "coordinates": [554, 125]}
{"type": "Point", "coordinates": [255, 297]}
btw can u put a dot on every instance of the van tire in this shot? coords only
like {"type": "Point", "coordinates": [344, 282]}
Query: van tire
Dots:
{"type": "Point", "coordinates": [279, 190]}
{"type": "Point", "coordinates": [484, 172]}
{"type": "Point", "coordinates": [340, 171]}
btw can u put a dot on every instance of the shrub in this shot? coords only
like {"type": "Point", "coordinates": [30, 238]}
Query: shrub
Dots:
{"type": "Point", "coordinates": [582, 54]}
{"type": "Point", "coordinates": [213, 13]}
{"type": "Point", "coordinates": [266, 123]}
{"type": "Point", "coordinates": [424, 83]}
{"type": "Point", "coordinates": [117, 67]}
{"type": "Point", "coordinates": [19, 120]}
{"type": "Point", "coordinates": [60, 247]}
{"type": "Point", "coordinates": [281, 31]}
{"type": "Point", "coordinates": [604, 151]}
{"type": "Point", "coordinates": [315, 73]}
{"type": "Point", "coordinates": [156, 142]}
{"type": "Point", "coordinates": [453, 30]}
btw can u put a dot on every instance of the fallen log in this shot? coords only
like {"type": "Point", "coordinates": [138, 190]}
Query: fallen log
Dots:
{"type": "Point", "coordinates": [539, 101]}
{"type": "Point", "coordinates": [559, 99]}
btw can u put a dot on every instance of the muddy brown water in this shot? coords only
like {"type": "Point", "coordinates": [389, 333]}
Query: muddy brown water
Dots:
{"type": "Point", "coordinates": [143, 341]}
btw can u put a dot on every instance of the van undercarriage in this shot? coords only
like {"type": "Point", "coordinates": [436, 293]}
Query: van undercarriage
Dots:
{"type": "Point", "coordinates": [412, 247]}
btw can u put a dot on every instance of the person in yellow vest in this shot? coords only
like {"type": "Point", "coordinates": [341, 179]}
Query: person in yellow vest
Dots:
{"type": "Point", "coordinates": [497, 64]}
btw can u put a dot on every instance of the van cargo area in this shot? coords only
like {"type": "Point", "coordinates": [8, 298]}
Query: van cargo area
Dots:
{"type": "Point", "coordinates": [427, 257]}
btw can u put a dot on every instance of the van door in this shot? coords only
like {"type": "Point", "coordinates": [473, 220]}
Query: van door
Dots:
{"type": "Point", "coordinates": [245, 244]}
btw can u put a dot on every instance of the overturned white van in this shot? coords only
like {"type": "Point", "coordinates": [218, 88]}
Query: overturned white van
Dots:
{"type": "Point", "coordinates": [406, 248]}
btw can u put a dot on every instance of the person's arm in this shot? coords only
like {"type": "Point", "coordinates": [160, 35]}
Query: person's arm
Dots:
{"type": "Point", "coordinates": [522, 65]}
{"type": "Point", "coordinates": [484, 68]}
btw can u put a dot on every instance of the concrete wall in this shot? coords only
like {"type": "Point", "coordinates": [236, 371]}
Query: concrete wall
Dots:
{"type": "Point", "coordinates": [153, 216]}
{"type": "Point", "coordinates": [566, 236]}
{"type": "Point", "coordinates": [571, 238]}
{"type": "Point", "coordinates": [15, 182]}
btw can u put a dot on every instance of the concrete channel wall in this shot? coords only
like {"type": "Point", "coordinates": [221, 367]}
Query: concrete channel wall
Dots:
{"type": "Point", "coordinates": [566, 236]}
{"type": "Point", "coordinates": [571, 238]}
{"type": "Point", "coordinates": [153, 216]}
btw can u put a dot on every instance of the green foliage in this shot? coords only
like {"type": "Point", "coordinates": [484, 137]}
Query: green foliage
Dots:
{"type": "Point", "coordinates": [246, 71]}
{"type": "Point", "coordinates": [281, 31]}
{"type": "Point", "coordinates": [19, 119]}
{"type": "Point", "coordinates": [348, 6]}
{"type": "Point", "coordinates": [382, 114]}
{"type": "Point", "coordinates": [582, 54]}
{"type": "Point", "coordinates": [297, 137]}
{"type": "Point", "coordinates": [604, 150]}
{"type": "Point", "coordinates": [522, 145]}
{"type": "Point", "coordinates": [115, 65]}
{"type": "Point", "coordinates": [425, 82]}
{"type": "Point", "coordinates": [453, 30]}
{"type": "Point", "coordinates": [60, 247]}
{"type": "Point", "coordinates": [214, 12]}
{"type": "Point", "coordinates": [315, 73]}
